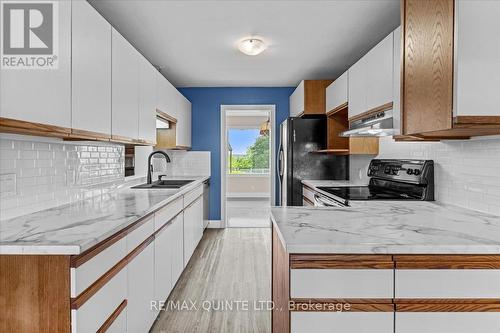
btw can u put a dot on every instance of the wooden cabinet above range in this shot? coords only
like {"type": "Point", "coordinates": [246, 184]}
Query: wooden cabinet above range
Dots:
{"type": "Point", "coordinates": [450, 80]}
{"type": "Point", "coordinates": [309, 98]}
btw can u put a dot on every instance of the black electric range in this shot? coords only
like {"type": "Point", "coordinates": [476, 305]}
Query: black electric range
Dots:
{"type": "Point", "coordinates": [389, 180]}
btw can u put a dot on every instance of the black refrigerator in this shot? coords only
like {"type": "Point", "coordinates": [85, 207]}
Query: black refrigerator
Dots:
{"type": "Point", "coordinates": [298, 160]}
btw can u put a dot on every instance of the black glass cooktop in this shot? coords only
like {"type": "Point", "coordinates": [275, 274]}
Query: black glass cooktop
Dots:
{"type": "Point", "coordinates": [367, 193]}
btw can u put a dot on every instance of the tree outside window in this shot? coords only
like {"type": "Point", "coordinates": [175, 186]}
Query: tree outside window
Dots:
{"type": "Point", "coordinates": [248, 151]}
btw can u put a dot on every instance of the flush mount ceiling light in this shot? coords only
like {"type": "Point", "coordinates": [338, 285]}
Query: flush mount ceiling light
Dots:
{"type": "Point", "coordinates": [252, 46]}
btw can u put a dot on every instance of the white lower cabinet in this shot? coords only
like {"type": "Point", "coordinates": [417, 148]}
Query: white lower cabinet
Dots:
{"type": "Point", "coordinates": [140, 273]}
{"type": "Point", "coordinates": [177, 247]}
{"type": "Point", "coordinates": [94, 312]}
{"type": "Point", "coordinates": [447, 283]}
{"type": "Point", "coordinates": [447, 322]}
{"type": "Point", "coordinates": [345, 322]}
{"type": "Point", "coordinates": [163, 263]}
{"type": "Point", "coordinates": [193, 227]}
{"type": "Point", "coordinates": [341, 283]}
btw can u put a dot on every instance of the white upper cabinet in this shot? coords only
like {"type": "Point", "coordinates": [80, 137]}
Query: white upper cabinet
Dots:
{"type": "Point", "coordinates": [477, 58]}
{"type": "Point", "coordinates": [42, 95]}
{"type": "Point", "coordinates": [125, 88]}
{"type": "Point", "coordinates": [167, 96]}
{"type": "Point", "coordinates": [147, 101]}
{"type": "Point", "coordinates": [297, 101]}
{"type": "Point", "coordinates": [336, 93]}
{"type": "Point", "coordinates": [371, 78]}
{"type": "Point", "coordinates": [183, 130]}
{"type": "Point", "coordinates": [91, 70]}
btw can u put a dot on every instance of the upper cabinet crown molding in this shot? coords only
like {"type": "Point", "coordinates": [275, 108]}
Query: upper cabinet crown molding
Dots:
{"type": "Point", "coordinates": [309, 98]}
{"type": "Point", "coordinates": [448, 90]}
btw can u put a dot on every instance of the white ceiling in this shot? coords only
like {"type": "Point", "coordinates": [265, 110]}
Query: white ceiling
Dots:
{"type": "Point", "coordinates": [195, 41]}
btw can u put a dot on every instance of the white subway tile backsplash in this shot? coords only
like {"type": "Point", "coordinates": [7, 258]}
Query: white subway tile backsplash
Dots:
{"type": "Point", "coordinates": [466, 172]}
{"type": "Point", "coordinates": [47, 169]}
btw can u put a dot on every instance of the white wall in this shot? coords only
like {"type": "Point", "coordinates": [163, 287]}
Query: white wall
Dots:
{"type": "Point", "coordinates": [248, 186]}
{"type": "Point", "coordinates": [467, 173]}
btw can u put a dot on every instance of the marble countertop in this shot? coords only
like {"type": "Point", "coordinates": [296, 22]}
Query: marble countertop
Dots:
{"type": "Point", "coordinates": [387, 227]}
{"type": "Point", "coordinates": [75, 227]}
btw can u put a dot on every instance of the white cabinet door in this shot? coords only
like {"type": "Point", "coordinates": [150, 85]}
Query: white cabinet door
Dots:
{"type": "Point", "coordinates": [477, 60]}
{"type": "Point", "coordinates": [297, 101]}
{"type": "Point", "coordinates": [91, 70]}
{"type": "Point", "coordinates": [177, 247]}
{"type": "Point", "coordinates": [140, 272]}
{"type": "Point", "coordinates": [147, 101]}
{"type": "Point", "coordinates": [345, 322]}
{"type": "Point", "coordinates": [189, 221]}
{"type": "Point", "coordinates": [336, 93]}
{"type": "Point", "coordinates": [447, 322]}
{"type": "Point", "coordinates": [371, 78]}
{"type": "Point", "coordinates": [357, 87]}
{"type": "Point", "coordinates": [167, 96]}
{"type": "Point", "coordinates": [379, 73]}
{"type": "Point", "coordinates": [125, 88]}
{"type": "Point", "coordinates": [163, 263]}
{"type": "Point", "coordinates": [198, 221]}
{"type": "Point", "coordinates": [41, 95]}
{"type": "Point", "coordinates": [183, 128]}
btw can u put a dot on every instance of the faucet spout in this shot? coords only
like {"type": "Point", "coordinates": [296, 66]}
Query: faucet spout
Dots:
{"type": "Point", "coordinates": [150, 166]}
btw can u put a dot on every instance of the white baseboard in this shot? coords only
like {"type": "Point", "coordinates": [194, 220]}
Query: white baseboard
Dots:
{"type": "Point", "coordinates": [214, 224]}
{"type": "Point", "coordinates": [247, 195]}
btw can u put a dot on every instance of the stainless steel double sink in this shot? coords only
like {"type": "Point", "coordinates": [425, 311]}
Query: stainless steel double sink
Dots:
{"type": "Point", "coordinates": [165, 184]}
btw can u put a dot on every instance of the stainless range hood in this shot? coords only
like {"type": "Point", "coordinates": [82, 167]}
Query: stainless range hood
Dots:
{"type": "Point", "coordinates": [382, 123]}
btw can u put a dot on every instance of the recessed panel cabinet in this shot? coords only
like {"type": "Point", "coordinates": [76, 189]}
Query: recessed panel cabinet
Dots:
{"type": "Point", "coordinates": [91, 70]}
{"type": "Point", "coordinates": [125, 88]}
{"type": "Point", "coordinates": [41, 96]}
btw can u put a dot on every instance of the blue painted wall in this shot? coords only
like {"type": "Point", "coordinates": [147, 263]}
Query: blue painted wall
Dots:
{"type": "Point", "coordinates": [206, 104]}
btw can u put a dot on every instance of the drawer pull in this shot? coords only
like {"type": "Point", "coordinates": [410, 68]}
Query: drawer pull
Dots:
{"type": "Point", "coordinates": [107, 324]}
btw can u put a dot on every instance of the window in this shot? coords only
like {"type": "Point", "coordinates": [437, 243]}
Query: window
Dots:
{"type": "Point", "coordinates": [248, 151]}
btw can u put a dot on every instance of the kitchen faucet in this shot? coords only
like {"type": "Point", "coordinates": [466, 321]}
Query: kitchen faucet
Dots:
{"type": "Point", "coordinates": [150, 166]}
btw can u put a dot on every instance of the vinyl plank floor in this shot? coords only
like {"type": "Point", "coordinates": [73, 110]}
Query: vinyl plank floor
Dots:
{"type": "Point", "coordinates": [230, 267]}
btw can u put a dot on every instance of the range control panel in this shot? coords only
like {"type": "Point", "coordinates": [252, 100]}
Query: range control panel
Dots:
{"type": "Point", "coordinates": [401, 170]}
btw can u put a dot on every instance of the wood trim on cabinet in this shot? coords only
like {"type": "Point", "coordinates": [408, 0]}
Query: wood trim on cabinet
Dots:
{"type": "Point", "coordinates": [166, 116]}
{"type": "Point", "coordinates": [348, 261]}
{"type": "Point", "coordinates": [85, 295]}
{"type": "Point", "coordinates": [332, 306]}
{"type": "Point", "coordinates": [428, 44]}
{"type": "Point", "coordinates": [35, 293]}
{"type": "Point", "coordinates": [477, 120]}
{"type": "Point", "coordinates": [80, 259]}
{"type": "Point", "coordinates": [447, 300]}
{"type": "Point", "coordinates": [9, 125]}
{"type": "Point", "coordinates": [381, 108]}
{"type": "Point", "coordinates": [315, 97]}
{"type": "Point", "coordinates": [111, 319]}
{"type": "Point", "coordinates": [122, 139]}
{"type": "Point", "coordinates": [169, 222]}
{"type": "Point", "coordinates": [338, 108]}
{"type": "Point", "coordinates": [307, 200]}
{"type": "Point", "coordinates": [280, 285]}
{"type": "Point", "coordinates": [448, 307]}
{"type": "Point", "coordinates": [88, 135]}
{"type": "Point", "coordinates": [447, 261]}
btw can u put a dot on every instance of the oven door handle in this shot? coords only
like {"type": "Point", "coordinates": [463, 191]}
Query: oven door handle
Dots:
{"type": "Point", "coordinates": [320, 201]}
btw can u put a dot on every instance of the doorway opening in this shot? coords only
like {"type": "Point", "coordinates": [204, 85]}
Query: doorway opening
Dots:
{"type": "Point", "coordinates": [247, 160]}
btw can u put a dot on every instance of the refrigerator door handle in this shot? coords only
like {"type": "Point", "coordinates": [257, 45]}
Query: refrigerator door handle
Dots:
{"type": "Point", "coordinates": [280, 164]}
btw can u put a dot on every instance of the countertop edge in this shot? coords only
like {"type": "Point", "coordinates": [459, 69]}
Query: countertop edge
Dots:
{"type": "Point", "coordinates": [75, 249]}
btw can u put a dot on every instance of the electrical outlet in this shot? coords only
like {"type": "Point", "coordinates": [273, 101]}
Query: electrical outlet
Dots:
{"type": "Point", "coordinates": [8, 184]}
